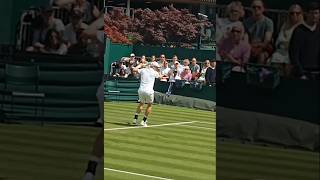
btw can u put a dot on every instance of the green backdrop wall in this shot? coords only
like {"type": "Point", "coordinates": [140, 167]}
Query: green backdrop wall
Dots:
{"type": "Point", "coordinates": [115, 52]}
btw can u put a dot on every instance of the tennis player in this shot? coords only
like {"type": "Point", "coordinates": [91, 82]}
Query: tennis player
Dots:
{"type": "Point", "coordinates": [146, 92]}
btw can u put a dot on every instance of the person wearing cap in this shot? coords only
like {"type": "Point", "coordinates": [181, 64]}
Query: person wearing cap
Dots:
{"type": "Point", "coordinates": [146, 92]}
{"type": "Point", "coordinates": [304, 47]}
{"type": "Point", "coordinates": [186, 74]}
{"type": "Point", "coordinates": [177, 69]}
{"type": "Point", "coordinates": [74, 28]}
{"type": "Point", "coordinates": [44, 23]}
{"type": "Point", "coordinates": [233, 48]}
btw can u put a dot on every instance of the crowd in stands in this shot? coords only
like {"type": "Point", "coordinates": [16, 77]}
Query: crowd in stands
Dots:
{"type": "Point", "coordinates": [52, 36]}
{"type": "Point", "coordinates": [252, 38]}
{"type": "Point", "coordinates": [171, 70]}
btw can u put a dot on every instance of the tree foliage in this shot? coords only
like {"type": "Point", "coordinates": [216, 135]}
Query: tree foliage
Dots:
{"type": "Point", "coordinates": [163, 26]}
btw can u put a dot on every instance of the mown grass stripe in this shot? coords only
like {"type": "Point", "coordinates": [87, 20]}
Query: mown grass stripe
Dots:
{"type": "Point", "coordinates": [274, 162]}
{"type": "Point", "coordinates": [161, 112]}
{"type": "Point", "coordinates": [267, 152]}
{"type": "Point", "coordinates": [207, 150]}
{"type": "Point", "coordinates": [162, 171]}
{"type": "Point", "coordinates": [125, 154]}
{"type": "Point", "coordinates": [173, 138]}
{"type": "Point", "coordinates": [272, 171]}
{"type": "Point", "coordinates": [164, 152]}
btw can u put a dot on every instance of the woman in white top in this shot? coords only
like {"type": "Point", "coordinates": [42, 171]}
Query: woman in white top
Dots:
{"type": "Point", "coordinates": [203, 71]}
{"type": "Point", "coordinates": [280, 57]}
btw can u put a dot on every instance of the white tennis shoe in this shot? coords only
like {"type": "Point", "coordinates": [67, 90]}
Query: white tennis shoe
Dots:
{"type": "Point", "coordinates": [144, 124]}
{"type": "Point", "coordinates": [88, 176]}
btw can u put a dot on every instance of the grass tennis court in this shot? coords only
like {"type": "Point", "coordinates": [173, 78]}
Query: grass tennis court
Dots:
{"type": "Point", "coordinates": [253, 162]}
{"type": "Point", "coordinates": [32, 152]}
{"type": "Point", "coordinates": [178, 144]}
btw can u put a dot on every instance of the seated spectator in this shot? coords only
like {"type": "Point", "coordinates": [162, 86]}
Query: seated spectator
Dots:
{"type": "Point", "coordinates": [153, 58]}
{"type": "Point", "coordinates": [174, 60]}
{"type": "Point", "coordinates": [91, 12]}
{"type": "Point", "coordinates": [177, 69]}
{"type": "Point", "coordinates": [210, 76]}
{"type": "Point", "coordinates": [304, 47]}
{"type": "Point", "coordinates": [41, 26]}
{"type": "Point", "coordinates": [233, 48]}
{"type": "Point", "coordinates": [195, 69]}
{"type": "Point", "coordinates": [143, 62]}
{"type": "Point", "coordinates": [164, 71]}
{"type": "Point", "coordinates": [162, 59]}
{"type": "Point", "coordinates": [186, 62]}
{"type": "Point", "coordinates": [74, 28]}
{"type": "Point", "coordinates": [132, 60]}
{"type": "Point", "coordinates": [186, 74]}
{"type": "Point", "coordinates": [235, 12]}
{"type": "Point", "coordinates": [203, 71]}
{"type": "Point", "coordinates": [260, 30]}
{"type": "Point", "coordinates": [54, 44]}
{"type": "Point", "coordinates": [280, 57]}
{"type": "Point", "coordinates": [122, 73]}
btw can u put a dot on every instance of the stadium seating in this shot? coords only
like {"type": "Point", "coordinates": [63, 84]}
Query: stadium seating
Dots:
{"type": "Point", "coordinates": [70, 85]}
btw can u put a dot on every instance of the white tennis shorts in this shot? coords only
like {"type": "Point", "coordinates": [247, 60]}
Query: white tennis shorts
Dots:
{"type": "Point", "coordinates": [145, 97]}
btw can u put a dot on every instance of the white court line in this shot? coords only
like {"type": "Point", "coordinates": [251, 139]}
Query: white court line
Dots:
{"type": "Point", "coordinates": [198, 127]}
{"type": "Point", "coordinates": [159, 125]}
{"type": "Point", "coordinates": [137, 174]}
{"type": "Point", "coordinates": [206, 122]}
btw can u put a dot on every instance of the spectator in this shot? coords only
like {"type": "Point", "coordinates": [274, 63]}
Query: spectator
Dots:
{"type": "Point", "coordinates": [233, 48]}
{"type": "Point", "coordinates": [210, 75]}
{"type": "Point", "coordinates": [74, 28]}
{"type": "Point", "coordinates": [177, 69]}
{"type": "Point", "coordinates": [235, 12]}
{"type": "Point", "coordinates": [174, 60]}
{"type": "Point", "coordinates": [203, 71]}
{"type": "Point", "coordinates": [186, 62]}
{"type": "Point", "coordinates": [162, 59]}
{"type": "Point", "coordinates": [164, 71]}
{"type": "Point", "coordinates": [153, 58]}
{"type": "Point", "coordinates": [122, 73]}
{"type": "Point", "coordinates": [132, 60]}
{"type": "Point", "coordinates": [143, 62]}
{"type": "Point", "coordinates": [54, 44]}
{"type": "Point", "coordinates": [91, 12]}
{"type": "Point", "coordinates": [280, 57]}
{"type": "Point", "coordinates": [43, 24]}
{"type": "Point", "coordinates": [186, 74]}
{"type": "Point", "coordinates": [195, 69]}
{"type": "Point", "coordinates": [304, 48]}
{"type": "Point", "coordinates": [260, 30]}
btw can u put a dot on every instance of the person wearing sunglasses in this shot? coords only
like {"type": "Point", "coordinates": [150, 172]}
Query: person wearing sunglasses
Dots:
{"type": "Point", "coordinates": [304, 47]}
{"type": "Point", "coordinates": [260, 31]}
{"type": "Point", "coordinates": [235, 13]}
{"type": "Point", "coordinates": [280, 58]}
{"type": "Point", "coordinates": [234, 49]}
